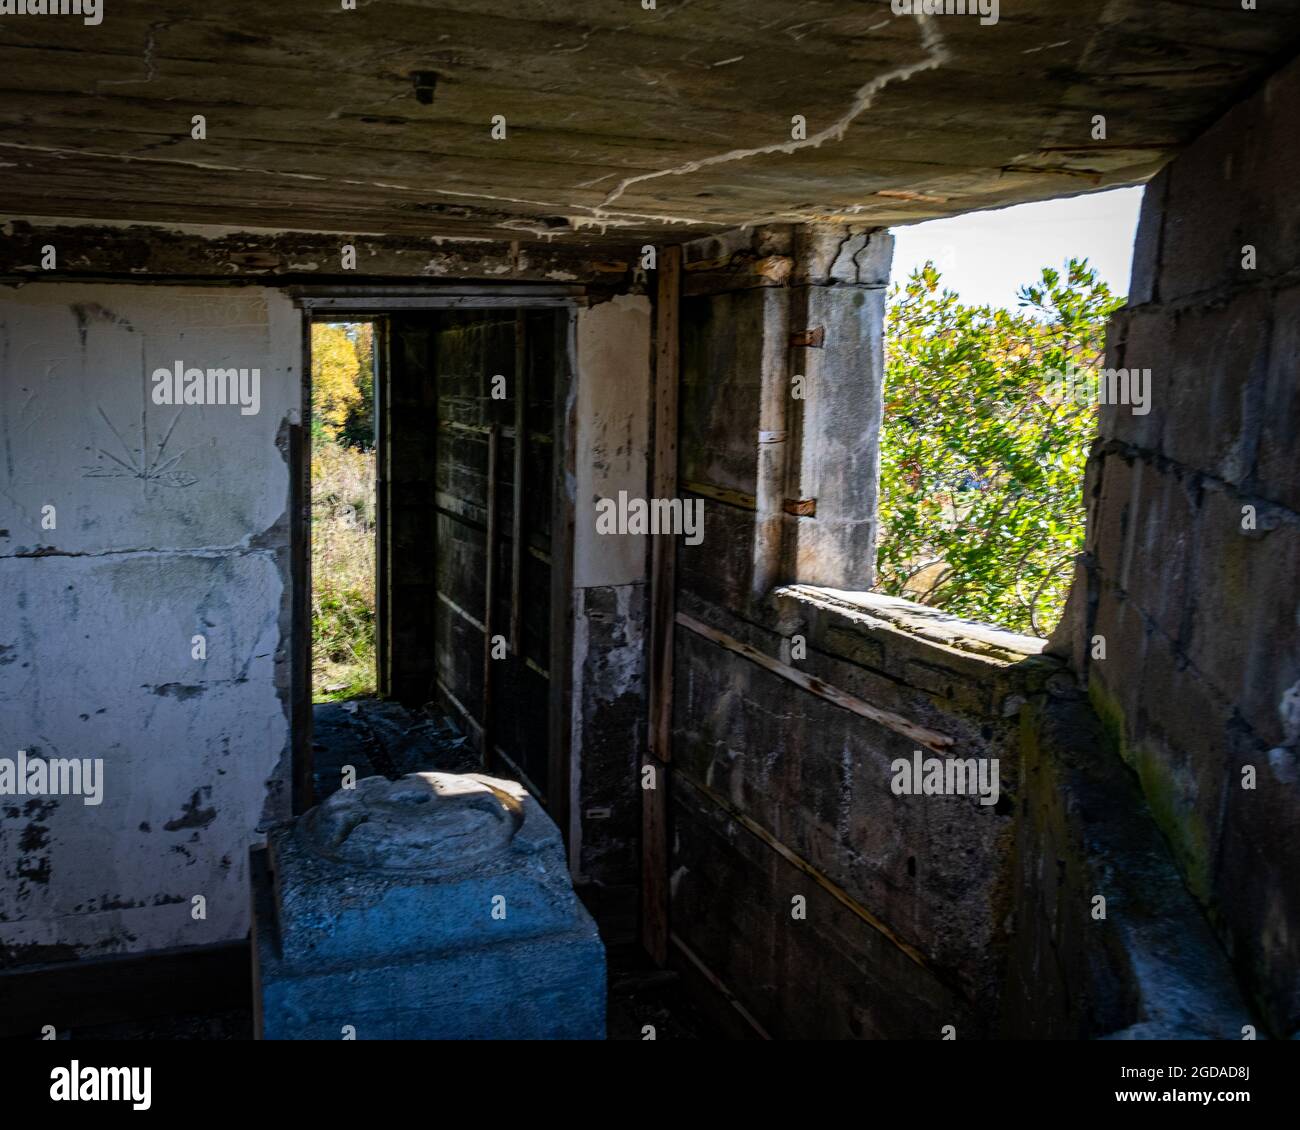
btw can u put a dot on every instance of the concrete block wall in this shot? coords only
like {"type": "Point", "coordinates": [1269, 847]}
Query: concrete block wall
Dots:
{"type": "Point", "coordinates": [777, 793]}
{"type": "Point", "coordinates": [1194, 536]}
{"type": "Point", "coordinates": [919, 912]}
{"type": "Point", "coordinates": [169, 522]}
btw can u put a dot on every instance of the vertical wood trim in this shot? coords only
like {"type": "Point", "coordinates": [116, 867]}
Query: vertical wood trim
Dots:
{"type": "Point", "coordinates": [517, 515]}
{"type": "Point", "coordinates": [663, 561]}
{"type": "Point", "coordinates": [383, 632]}
{"type": "Point", "coordinates": [563, 471]}
{"type": "Point", "coordinates": [490, 549]}
{"type": "Point", "coordinates": [302, 789]}
{"type": "Point", "coordinates": [663, 552]}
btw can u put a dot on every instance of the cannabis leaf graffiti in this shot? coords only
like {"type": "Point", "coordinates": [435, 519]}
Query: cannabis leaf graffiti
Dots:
{"type": "Point", "coordinates": [151, 468]}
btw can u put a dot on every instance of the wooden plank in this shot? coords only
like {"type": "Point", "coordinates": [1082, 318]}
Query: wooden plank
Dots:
{"type": "Point", "coordinates": [931, 739]}
{"type": "Point", "coordinates": [302, 787]}
{"type": "Point", "coordinates": [456, 608]}
{"type": "Point", "coordinates": [721, 494]}
{"type": "Point", "coordinates": [337, 297]}
{"type": "Point", "coordinates": [517, 515]}
{"type": "Point", "coordinates": [490, 563]}
{"type": "Point", "coordinates": [461, 709]}
{"type": "Point", "coordinates": [833, 889]}
{"type": "Point", "coordinates": [520, 775]}
{"type": "Point", "coordinates": [655, 893]}
{"type": "Point", "coordinates": [383, 507]}
{"type": "Point", "coordinates": [481, 430]}
{"type": "Point", "coordinates": [663, 554]}
{"type": "Point", "coordinates": [563, 474]}
{"type": "Point", "coordinates": [663, 559]}
{"type": "Point", "coordinates": [755, 1029]}
{"type": "Point", "coordinates": [384, 305]}
{"type": "Point", "coordinates": [536, 668]}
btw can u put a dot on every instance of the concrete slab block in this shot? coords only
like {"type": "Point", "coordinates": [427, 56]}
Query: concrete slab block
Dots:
{"type": "Point", "coordinates": [437, 906]}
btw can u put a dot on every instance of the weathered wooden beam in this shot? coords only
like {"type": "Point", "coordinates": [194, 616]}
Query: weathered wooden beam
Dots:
{"type": "Point", "coordinates": [476, 271]}
{"type": "Point", "coordinates": [931, 739]}
{"type": "Point", "coordinates": [663, 552]}
{"type": "Point", "coordinates": [719, 987]}
{"type": "Point", "coordinates": [517, 513]}
{"type": "Point", "coordinates": [838, 893]}
{"type": "Point", "coordinates": [474, 621]}
{"type": "Point", "coordinates": [721, 494]}
{"type": "Point", "coordinates": [300, 666]}
{"type": "Point", "coordinates": [489, 594]}
{"type": "Point", "coordinates": [383, 391]}
{"type": "Point", "coordinates": [563, 476]}
{"type": "Point", "coordinates": [663, 558]}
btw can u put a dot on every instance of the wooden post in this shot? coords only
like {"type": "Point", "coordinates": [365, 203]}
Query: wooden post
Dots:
{"type": "Point", "coordinates": [490, 548]}
{"type": "Point", "coordinates": [300, 674]}
{"type": "Point", "coordinates": [563, 476]}
{"type": "Point", "coordinates": [381, 374]}
{"type": "Point", "coordinates": [517, 517]}
{"type": "Point", "coordinates": [663, 560]}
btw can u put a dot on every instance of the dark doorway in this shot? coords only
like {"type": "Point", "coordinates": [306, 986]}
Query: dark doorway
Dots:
{"type": "Point", "coordinates": [473, 536]}
{"type": "Point", "coordinates": [467, 516]}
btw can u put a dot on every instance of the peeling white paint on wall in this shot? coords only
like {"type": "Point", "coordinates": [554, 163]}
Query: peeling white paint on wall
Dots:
{"type": "Point", "coordinates": [612, 396]}
{"type": "Point", "coordinates": [612, 434]}
{"type": "Point", "coordinates": [171, 522]}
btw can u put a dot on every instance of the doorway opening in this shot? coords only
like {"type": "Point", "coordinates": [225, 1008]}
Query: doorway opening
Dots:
{"type": "Point", "coordinates": [439, 539]}
{"type": "Point", "coordinates": [344, 450]}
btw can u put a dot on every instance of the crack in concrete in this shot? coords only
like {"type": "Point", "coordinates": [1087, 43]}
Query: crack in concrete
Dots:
{"type": "Point", "coordinates": [1164, 463]}
{"type": "Point", "coordinates": [599, 214]}
{"type": "Point", "coordinates": [150, 65]}
{"type": "Point", "coordinates": [936, 56]}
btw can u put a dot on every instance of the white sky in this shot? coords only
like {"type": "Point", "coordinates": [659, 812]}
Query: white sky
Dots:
{"type": "Point", "coordinates": [986, 256]}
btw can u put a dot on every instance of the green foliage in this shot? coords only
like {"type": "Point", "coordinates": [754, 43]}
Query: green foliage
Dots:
{"type": "Point", "coordinates": [981, 467]}
{"type": "Point", "coordinates": [343, 644]}
{"type": "Point", "coordinates": [343, 511]}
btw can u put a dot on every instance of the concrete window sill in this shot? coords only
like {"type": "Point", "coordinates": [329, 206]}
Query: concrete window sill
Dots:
{"type": "Point", "coordinates": [874, 611]}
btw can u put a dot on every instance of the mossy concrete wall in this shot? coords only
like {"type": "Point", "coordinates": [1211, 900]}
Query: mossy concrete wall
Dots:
{"type": "Point", "coordinates": [823, 903]}
{"type": "Point", "coordinates": [1185, 618]}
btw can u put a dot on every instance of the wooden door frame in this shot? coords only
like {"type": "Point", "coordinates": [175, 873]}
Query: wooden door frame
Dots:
{"type": "Point", "coordinates": [344, 302]}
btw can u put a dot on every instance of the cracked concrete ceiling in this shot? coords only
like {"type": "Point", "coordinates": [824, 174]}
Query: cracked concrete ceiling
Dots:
{"type": "Point", "coordinates": [621, 122]}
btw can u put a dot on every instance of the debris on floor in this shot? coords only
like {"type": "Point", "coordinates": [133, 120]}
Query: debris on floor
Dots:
{"type": "Point", "coordinates": [378, 737]}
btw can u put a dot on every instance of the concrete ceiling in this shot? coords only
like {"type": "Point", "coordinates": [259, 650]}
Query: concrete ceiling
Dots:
{"type": "Point", "coordinates": [621, 122]}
